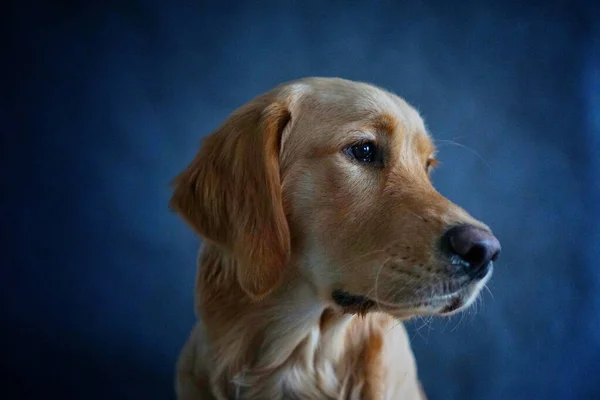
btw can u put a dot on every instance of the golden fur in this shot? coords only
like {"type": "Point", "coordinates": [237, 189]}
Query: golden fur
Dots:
{"type": "Point", "coordinates": [287, 217]}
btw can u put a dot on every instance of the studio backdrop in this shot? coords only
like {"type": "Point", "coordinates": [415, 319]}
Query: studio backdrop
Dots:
{"type": "Point", "coordinates": [104, 103]}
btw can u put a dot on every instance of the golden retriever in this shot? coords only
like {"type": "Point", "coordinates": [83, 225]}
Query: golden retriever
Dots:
{"type": "Point", "coordinates": [322, 232]}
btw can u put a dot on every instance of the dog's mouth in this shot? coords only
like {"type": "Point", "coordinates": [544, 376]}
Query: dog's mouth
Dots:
{"type": "Point", "coordinates": [352, 303]}
{"type": "Point", "coordinates": [357, 304]}
{"type": "Point", "coordinates": [442, 304]}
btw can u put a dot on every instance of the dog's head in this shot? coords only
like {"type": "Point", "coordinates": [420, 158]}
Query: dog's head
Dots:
{"type": "Point", "coordinates": [331, 178]}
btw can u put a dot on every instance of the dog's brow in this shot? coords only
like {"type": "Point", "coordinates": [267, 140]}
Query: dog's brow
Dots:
{"type": "Point", "coordinates": [425, 145]}
{"type": "Point", "coordinates": [385, 122]}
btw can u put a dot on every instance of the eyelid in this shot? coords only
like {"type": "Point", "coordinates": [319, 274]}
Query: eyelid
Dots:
{"type": "Point", "coordinates": [359, 137]}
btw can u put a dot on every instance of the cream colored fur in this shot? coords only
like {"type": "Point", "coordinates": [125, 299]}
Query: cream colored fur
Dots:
{"type": "Point", "coordinates": [287, 218]}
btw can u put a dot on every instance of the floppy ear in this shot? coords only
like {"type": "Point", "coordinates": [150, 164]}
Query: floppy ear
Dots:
{"type": "Point", "coordinates": [231, 194]}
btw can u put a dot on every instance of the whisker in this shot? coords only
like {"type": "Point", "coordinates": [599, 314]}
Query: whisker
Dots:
{"type": "Point", "coordinates": [358, 259]}
{"type": "Point", "coordinates": [489, 291]}
{"type": "Point", "coordinates": [450, 318]}
{"type": "Point", "coordinates": [424, 320]}
{"type": "Point", "coordinates": [394, 327]}
{"type": "Point", "coordinates": [418, 330]}
{"type": "Point", "coordinates": [416, 215]}
{"type": "Point", "coordinates": [367, 254]}
{"type": "Point", "coordinates": [462, 315]}
{"type": "Point", "coordinates": [482, 297]}
{"type": "Point", "coordinates": [397, 276]}
{"type": "Point", "coordinates": [376, 283]}
{"type": "Point", "coordinates": [429, 326]}
{"type": "Point", "coordinates": [442, 141]}
{"type": "Point", "coordinates": [477, 308]}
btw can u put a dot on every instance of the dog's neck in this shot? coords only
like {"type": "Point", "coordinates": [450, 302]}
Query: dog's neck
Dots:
{"type": "Point", "coordinates": [289, 342]}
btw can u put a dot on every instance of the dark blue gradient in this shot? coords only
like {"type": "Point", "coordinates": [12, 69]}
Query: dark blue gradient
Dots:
{"type": "Point", "coordinates": [102, 105]}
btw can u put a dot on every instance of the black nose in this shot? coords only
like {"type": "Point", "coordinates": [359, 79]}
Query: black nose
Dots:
{"type": "Point", "coordinates": [475, 246]}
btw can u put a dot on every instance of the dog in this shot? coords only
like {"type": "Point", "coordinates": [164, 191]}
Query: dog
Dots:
{"type": "Point", "coordinates": [321, 232]}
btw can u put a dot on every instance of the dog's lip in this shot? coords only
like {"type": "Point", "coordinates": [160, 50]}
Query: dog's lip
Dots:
{"type": "Point", "coordinates": [359, 304]}
{"type": "Point", "coordinates": [455, 303]}
{"type": "Point", "coordinates": [439, 304]}
{"type": "Point", "coordinates": [447, 304]}
{"type": "Point", "coordinates": [346, 299]}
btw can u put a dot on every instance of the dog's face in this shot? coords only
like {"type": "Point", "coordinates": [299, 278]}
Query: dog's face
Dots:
{"type": "Point", "coordinates": [334, 179]}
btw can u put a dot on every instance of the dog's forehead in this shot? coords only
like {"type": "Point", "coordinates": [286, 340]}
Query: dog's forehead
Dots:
{"type": "Point", "coordinates": [348, 105]}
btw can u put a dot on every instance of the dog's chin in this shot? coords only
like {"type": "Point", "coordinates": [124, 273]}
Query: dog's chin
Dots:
{"type": "Point", "coordinates": [448, 304]}
{"type": "Point", "coordinates": [444, 304]}
{"type": "Point", "coordinates": [456, 303]}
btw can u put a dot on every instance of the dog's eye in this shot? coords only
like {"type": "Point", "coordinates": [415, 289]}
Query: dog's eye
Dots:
{"type": "Point", "coordinates": [365, 152]}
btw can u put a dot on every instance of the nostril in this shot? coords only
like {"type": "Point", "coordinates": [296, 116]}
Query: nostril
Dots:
{"type": "Point", "coordinates": [476, 255]}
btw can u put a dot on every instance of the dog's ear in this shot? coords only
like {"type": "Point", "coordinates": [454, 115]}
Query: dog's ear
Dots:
{"type": "Point", "coordinates": [231, 193]}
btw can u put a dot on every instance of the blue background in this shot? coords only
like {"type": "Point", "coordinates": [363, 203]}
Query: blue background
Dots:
{"type": "Point", "coordinates": [103, 104]}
